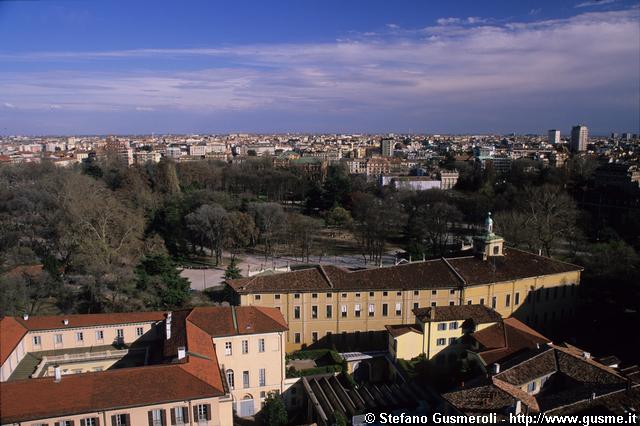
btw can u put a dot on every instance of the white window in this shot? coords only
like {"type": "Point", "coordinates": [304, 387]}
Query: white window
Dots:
{"type": "Point", "coordinates": [398, 308]}
{"type": "Point", "coordinates": [227, 348]}
{"type": "Point", "coordinates": [37, 340]}
{"type": "Point", "coordinates": [357, 310]}
{"type": "Point", "coordinates": [441, 342]}
{"type": "Point", "coordinates": [453, 325]}
{"type": "Point", "coordinates": [121, 419]}
{"type": "Point", "coordinates": [260, 345]}
{"type": "Point", "coordinates": [139, 331]}
{"type": "Point", "coordinates": [120, 333]}
{"type": "Point", "coordinates": [452, 340]}
{"type": "Point", "coordinates": [262, 377]}
{"type": "Point", "coordinates": [65, 423]}
{"type": "Point", "coordinates": [57, 339]}
{"type": "Point", "coordinates": [245, 346]}
{"type": "Point", "coordinates": [91, 421]}
{"type": "Point", "coordinates": [245, 379]}
{"type": "Point", "coordinates": [202, 412]}
{"type": "Point", "coordinates": [178, 413]}
{"type": "Point", "coordinates": [442, 326]}
{"type": "Point", "coordinates": [372, 309]}
{"type": "Point", "coordinates": [231, 379]}
{"type": "Point", "coordinates": [156, 417]}
{"type": "Point", "coordinates": [343, 309]}
{"type": "Point", "coordinates": [80, 336]}
{"type": "Point", "coordinates": [99, 335]}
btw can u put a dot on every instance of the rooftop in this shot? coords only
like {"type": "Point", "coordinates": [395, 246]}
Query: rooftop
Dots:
{"type": "Point", "coordinates": [197, 375]}
{"type": "Point", "coordinates": [480, 314]}
{"type": "Point", "coordinates": [430, 274]}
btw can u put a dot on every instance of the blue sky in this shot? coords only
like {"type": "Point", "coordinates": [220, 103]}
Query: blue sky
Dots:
{"type": "Point", "coordinates": [90, 66]}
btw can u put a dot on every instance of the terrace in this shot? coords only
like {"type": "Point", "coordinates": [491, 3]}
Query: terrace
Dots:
{"type": "Point", "coordinates": [80, 360]}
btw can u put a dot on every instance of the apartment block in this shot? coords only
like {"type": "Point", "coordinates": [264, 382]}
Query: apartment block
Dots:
{"type": "Point", "coordinates": [142, 368]}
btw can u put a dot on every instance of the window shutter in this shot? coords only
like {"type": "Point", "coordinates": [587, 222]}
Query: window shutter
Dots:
{"type": "Point", "coordinates": [72, 422]}
{"type": "Point", "coordinates": [127, 419]}
{"type": "Point", "coordinates": [173, 415]}
{"type": "Point", "coordinates": [185, 414]}
{"type": "Point", "coordinates": [113, 421]}
{"type": "Point", "coordinates": [208, 411]}
{"type": "Point", "coordinates": [150, 415]}
{"type": "Point", "coordinates": [163, 416]}
{"type": "Point", "coordinates": [97, 419]}
{"type": "Point", "coordinates": [56, 424]}
{"type": "Point", "coordinates": [195, 413]}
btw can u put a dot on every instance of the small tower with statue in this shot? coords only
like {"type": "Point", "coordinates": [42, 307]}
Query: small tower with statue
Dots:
{"type": "Point", "coordinates": [488, 244]}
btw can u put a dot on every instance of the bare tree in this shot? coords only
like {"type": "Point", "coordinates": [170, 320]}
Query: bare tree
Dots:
{"type": "Point", "coordinates": [209, 223]}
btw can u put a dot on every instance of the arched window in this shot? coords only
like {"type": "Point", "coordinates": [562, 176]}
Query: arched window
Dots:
{"type": "Point", "coordinates": [230, 379]}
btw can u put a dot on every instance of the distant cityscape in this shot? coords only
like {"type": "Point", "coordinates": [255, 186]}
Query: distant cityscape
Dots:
{"type": "Point", "coordinates": [404, 161]}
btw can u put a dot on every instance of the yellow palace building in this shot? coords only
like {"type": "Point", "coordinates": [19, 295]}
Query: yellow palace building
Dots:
{"type": "Point", "coordinates": [331, 306]}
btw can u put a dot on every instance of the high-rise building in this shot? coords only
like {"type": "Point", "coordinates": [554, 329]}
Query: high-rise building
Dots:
{"type": "Point", "coordinates": [579, 138]}
{"type": "Point", "coordinates": [554, 136]}
{"type": "Point", "coordinates": [386, 147]}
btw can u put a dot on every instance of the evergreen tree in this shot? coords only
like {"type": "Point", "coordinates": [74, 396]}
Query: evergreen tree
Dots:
{"type": "Point", "coordinates": [274, 410]}
{"type": "Point", "coordinates": [233, 271]}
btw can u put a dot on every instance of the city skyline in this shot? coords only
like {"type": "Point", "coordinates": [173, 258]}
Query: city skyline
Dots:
{"type": "Point", "coordinates": [84, 68]}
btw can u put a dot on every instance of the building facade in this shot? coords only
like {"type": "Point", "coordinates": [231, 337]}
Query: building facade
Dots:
{"type": "Point", "coordinates": [579, 138]}
{"type": "Point", "coordinates": [330, 306]}
{"type": "Point", "coordinates": [169, 368]}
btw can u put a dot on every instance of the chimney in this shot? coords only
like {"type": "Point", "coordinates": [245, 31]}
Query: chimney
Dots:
{"type": "Point", "coordinates": [167, 323]}
{"type": "Point", "coordinates": [518, 407]}
{"type": "Point", "coordinates": [182, 352]}
{"type": "Point", "coordinates": [586, 355]}
{"type": "Point", "coordinates": [57, 374]}
{"type": "Point", "coordinates": [432, 314]}
{"type": "Point", "coordinates": [495, 368]}
{"type": "Point", "coordinates": [65, 321]}
{"type": "Point", "coordinates": [25, 316]}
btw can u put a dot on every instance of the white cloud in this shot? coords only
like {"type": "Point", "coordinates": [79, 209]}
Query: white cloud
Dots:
{"type": "Point", "coordinates": [448, 21]}
{"type": "Point", "coordinates": [9, 105]}
{"type": "Point", "coordinates": [475, 20]}
{"type": "Point", "coordinates": [593, 3]}
{"type": "Point", "coordinates": [447, 67]}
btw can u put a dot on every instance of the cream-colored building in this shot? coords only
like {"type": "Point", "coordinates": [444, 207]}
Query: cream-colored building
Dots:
{"type": "Point", "coordinates": [331, 306]}
{"type": "Point", "coordinates": [178, 376]}
{"type": "Point", "coordinates": [438, 331]}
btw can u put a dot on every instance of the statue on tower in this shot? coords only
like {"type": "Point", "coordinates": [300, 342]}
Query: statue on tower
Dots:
{"type": "Point", "coordinates": [489, 224]}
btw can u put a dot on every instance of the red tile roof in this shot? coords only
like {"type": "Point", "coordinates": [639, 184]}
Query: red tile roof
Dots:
{"type": "Point", "coordinates": [54, 322]}
{"type": "Point", "coordinates": [506, 339]}
{"type": "Point", "coordinates": [402, 329]}
{"type": "Point", "coordinates": [11, 333]}
{"type": "Point", "coordinates": [220, 321]}
{"type": "Point", "coordinates": [438, 273]}
{"type": "Point", "coordinates": [33, 399]}
{"type": "Point", "coordinates": [480, 314]}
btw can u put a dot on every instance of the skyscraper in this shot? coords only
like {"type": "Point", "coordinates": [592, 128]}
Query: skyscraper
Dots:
{"type": "Point", "coordinates": [386, 147]}
{"type": "Point", "coordinates": [579, 138]}
{"type": "Point", "coordinates": [554, 136]}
